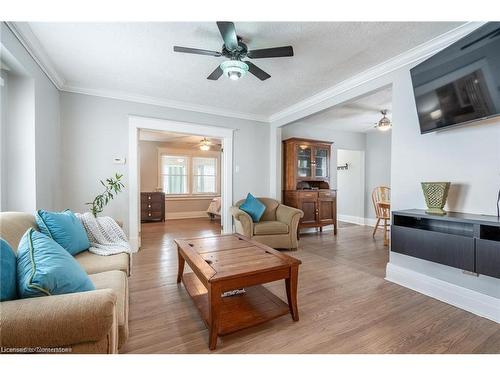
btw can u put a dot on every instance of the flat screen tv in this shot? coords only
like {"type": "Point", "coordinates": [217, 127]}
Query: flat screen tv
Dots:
{"type": "Point", "coordinates": [460, 84]}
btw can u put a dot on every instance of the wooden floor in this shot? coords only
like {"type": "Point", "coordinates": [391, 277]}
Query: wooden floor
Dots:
{"type": "Point", "coordinates": [345, 304]}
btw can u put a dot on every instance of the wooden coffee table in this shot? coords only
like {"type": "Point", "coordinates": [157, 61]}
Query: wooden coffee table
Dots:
{"type": "Point", "coordinates": [224, 263]}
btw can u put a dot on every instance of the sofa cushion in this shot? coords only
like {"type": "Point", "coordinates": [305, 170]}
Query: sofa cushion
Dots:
{"type": "Point", "coordinates": [270, 227]}
{"type": "Point", "coordinates": [253, 207]}
{"type": "Point", "coordinates": [93, 263]}
{"type": "Point", "coordinates": [7, 272]}
{"type": "Point", "coordinates": [44, 268]}
{"type": "Point", "coordinates": [117, 281]}
{"type": "Point", "coordinates": [64, 228]}
{"type": "Point", "coordinates": [13, 225]}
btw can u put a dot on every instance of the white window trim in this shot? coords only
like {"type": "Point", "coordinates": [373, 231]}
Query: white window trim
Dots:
{"type": "Point", "coordinates": [190, 155]}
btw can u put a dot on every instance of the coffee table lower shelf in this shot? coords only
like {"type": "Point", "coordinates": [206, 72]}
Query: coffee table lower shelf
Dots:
{"type": "Point", "coordinates": [256, 306]}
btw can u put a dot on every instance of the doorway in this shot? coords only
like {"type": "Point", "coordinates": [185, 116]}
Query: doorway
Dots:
{"type": "Point", "coordinates": [180, 180]}
{"type": "Point", "coordinates": [351, 184]}
{"type": "Point", "coordinates": [167, 162]}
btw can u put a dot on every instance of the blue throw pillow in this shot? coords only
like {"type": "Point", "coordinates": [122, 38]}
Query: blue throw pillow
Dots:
{"type": "Point", "coordinates": [253, 207]}
{"type": "Point", "coordinates": [64, 228]}
{"type": "Point", "coordinates": [44, 268]}
{"type": "Point", "coordinates": [7, 272]}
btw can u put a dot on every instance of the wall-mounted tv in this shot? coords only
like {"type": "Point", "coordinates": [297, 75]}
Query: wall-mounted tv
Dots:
{"type": "Point", "coordinates": [460, 84]}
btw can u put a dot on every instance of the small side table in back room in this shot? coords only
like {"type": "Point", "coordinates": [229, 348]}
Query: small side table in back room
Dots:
{"type": "Point", "coordinates": [152, 206]}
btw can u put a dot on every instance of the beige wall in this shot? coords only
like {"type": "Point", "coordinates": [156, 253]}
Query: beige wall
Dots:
{"type": "Point", "coordinates": [174, 207]}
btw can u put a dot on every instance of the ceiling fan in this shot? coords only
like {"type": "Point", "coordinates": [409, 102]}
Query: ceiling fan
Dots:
{"type": "Point", "coordinates": [235, 50]}
{"type": "Point", "coordinates": [204, 144]}
{"type": "Point", "coordinates": [384, 124]}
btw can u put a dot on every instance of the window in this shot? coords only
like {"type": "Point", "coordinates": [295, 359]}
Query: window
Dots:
{"type": "Point", "coordinates": [174, 174]}
{"type": "Point", "coordinates": [185, 175]}
{"type": "Point", "coordinates": [204, 174]}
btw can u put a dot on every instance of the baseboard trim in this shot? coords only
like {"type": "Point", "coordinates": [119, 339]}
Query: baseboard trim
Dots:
{"type": "Point", "coordinates": [351, 219]}
{"type": "Point", "coordinates": [370, 221]}
{"type": "Point", "coordinates": [185, 215]}
{"type": "Point", "coordinates": [477, 303]}
{"type": "Point", "coordinates": [357, 220]}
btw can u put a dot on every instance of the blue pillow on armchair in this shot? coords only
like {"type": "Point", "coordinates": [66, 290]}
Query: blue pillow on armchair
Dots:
{"type": "Point", "coordinates": [253, 207]}
{"type": "Point", "coordinates": [64, 228]}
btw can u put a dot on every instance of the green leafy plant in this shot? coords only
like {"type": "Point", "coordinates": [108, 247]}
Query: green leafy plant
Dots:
{"type": "Point", "coordinates": [112, 186]}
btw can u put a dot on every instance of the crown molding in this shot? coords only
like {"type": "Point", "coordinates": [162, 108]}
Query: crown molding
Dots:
{"type": "Point", "coordinates": [143, 99]}
{"type": "Point", "coordinates": [30, 42]}
{"type": "Point", "coordinates": [289, 114]}
{"type": "Point", "coordinates": [306, 106]}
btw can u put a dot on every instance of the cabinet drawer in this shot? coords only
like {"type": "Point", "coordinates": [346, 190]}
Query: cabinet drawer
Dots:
{"type": "Point", "coordinates": [152, 206]}
{"type": "Point", "coordinates": [151, 215]}
{"type": "Point", "coordinates": [327, 194]}
{"type": "Point", "coordinates": [449, 249]}
{"type": "Point", "coordinates": [308, 194]}
{"type": "Point", "coordinates": [488, 258]}
{"type": "Point", "coordinates": [152, 197]}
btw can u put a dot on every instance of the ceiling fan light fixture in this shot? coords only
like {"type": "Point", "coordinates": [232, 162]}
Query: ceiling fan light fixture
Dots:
{"type": "Point", "coordinates": [234, 69]}
{"type": "Point", "coordinates": [384, 124]}
{"type": "Point", "coordinates": [205, 145]}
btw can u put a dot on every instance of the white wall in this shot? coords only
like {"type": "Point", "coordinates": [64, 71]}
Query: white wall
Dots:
{"type": "Point", "coordinates": [47, 131]}
{"type": "Point", "coordinates": [3, 124]}
{"type": "Point", "coordinates": [468, 157]}
{"type": "Point", "coordinates": [341, 140]}
{"type": "Point", "coordinates": [18, 157]}
{"type": "Point", "coordinates": [351, 186]}
{"type": "Point", "coordinates": [95, 130]}
{"type": "Point", "coordinates": [378, 166]}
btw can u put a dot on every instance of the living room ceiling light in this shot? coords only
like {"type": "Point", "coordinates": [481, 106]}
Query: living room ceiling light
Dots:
{"type": "Point", "coordinates": [384, 123]}
{"type": "Point", "coordinates": [234, 69]}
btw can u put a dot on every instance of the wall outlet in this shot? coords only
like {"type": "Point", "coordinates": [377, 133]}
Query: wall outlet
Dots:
{"type": "Point", "coordinates": [119, 160]}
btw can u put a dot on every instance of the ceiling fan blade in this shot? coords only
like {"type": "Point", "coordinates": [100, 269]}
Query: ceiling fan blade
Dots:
{"type": "Point", "coordinates": [256, 71]}
{"type": "Point", "coordinates": [197, 51]}
{"type": "Point", "coordinates": [215, 75]}
{"type": "Point", "coordinates": [228, 33]}
{"type": "Point", "coordinates": [271, 52]}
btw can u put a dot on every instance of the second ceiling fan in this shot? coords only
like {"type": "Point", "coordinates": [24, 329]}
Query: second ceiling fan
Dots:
{"type": "Point", "coordinates": [235, 50]}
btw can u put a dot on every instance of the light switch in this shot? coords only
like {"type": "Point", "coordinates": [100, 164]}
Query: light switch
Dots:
{"type": "Point", "coordinates": [118, 160]}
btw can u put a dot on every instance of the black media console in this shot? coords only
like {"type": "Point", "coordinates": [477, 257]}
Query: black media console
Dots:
{"type": "Point", "coordinates": [465, 241]}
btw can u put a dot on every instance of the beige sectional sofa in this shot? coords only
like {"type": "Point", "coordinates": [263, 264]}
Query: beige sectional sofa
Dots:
{"type": "Point", "coordinates": [88, 322]}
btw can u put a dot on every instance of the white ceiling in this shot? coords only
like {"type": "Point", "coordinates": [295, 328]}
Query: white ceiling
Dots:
{"type": "Point", "coordinates": [137, 58]}
{"type": "Point", "coordinates": [356, 115]}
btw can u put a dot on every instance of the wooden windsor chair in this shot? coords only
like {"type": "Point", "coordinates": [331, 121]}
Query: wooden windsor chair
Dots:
{"type": "Point", "coordinates": [381, 197]}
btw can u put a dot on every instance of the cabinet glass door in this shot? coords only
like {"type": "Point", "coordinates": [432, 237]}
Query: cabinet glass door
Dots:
{"type": "Point", "coordinates": [304, 156]}
{"type": "Point", "coordinates": [321, 163]}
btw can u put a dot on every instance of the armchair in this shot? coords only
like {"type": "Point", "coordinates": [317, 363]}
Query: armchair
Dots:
{"type": "Point", "coordinates": [277, 227]}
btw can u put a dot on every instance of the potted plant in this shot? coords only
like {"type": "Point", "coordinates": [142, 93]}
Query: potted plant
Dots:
{"type": "Point", "coordinates": [112, 186]}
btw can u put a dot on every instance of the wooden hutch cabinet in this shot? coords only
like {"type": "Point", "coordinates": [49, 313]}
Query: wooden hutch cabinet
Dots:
{"type": "Point", "coordinates": [306, 182]}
